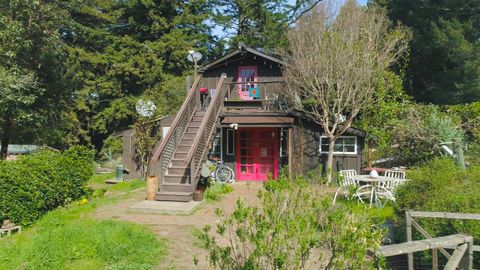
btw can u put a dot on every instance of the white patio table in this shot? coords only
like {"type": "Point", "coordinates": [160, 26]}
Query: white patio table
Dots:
{"type": "Point", "coordinates": [374, 182]}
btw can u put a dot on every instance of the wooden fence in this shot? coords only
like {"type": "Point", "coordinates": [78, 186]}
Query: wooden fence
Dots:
{"type": "Point", "coordinates": [462, 256]}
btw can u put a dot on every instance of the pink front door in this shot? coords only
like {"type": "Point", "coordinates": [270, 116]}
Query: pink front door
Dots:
{"type": "Point", "coordinates": [257, 154]}
{"type": "Point", "coordinates": [247, 78]}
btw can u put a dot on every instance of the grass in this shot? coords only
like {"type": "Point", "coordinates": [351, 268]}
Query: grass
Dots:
{"type": "Point", "coordinates": [69, 238]}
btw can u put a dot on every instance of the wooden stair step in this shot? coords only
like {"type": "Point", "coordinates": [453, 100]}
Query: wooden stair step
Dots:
{"type": "Point", "coordinates": [176, 178]}
{"type": "Point", "coordinates": [178, 170]}
{"type": "Point", "coordinates": [173, 187]}
{"type": "Point", "coordinates": [174, 196]}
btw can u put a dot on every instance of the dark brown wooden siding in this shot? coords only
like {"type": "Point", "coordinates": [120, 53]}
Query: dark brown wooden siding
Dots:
{"type": "Point", "coordinates": [267, 70]}
{"type": "Point", "coordinates": [306, 155]}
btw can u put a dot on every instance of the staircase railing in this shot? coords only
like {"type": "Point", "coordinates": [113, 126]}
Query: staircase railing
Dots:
{"type": "Point", "coordinates": [206, 130]}
{"type": "Point", "coordinates": [163, 154]}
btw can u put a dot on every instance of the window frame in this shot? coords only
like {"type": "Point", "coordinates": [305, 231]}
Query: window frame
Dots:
{"type": "Point", "coordinates": [283, 130]}
{"type": "Point", "coordinates": [232, 132]}
{"type": "Point", "coordinates": [355, 152]}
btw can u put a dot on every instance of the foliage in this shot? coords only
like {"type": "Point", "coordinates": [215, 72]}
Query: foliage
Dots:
{"type": "Point", "coordinates": [145, 139]}
{"type": "Point", "coordinates": [40, 182]}
{"type": "Point", "coordinates": [445, 52]}
{"type": "Point", "coordinates": [441, 186]}
{"type": "Point", "coordinates": [294, 228]}
{"type": "Point", "coordinates": [257, 23]}
{"type": "Point", "coordinates": [381, 115]}
{"type": "Point", "coordinates": [420, 131]}
{"type": "Point", "coordinates": [216, 191]}
{"type": "Point", "coordinates": [32, 94]}
{"type": "Point", "coordinates": [322, 84]}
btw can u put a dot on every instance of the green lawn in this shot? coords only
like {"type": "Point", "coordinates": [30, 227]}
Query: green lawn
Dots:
{"type": "Point", "coordinates": [69, 238]}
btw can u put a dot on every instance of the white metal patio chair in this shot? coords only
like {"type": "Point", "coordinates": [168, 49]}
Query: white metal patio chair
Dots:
{"type": "Point", "coordinates": [398, 177]}
{"type": "Point", "coordinates": [349, 184]}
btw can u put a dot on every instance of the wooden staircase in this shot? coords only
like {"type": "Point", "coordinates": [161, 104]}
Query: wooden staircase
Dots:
{"type": "Point", "coordinates": [177, 185]}
{"type": "Point", "coordinates": [178, 158]}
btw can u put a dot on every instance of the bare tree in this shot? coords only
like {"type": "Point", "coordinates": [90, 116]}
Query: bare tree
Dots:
{"type": "Point", "coordinates": [334, 59]}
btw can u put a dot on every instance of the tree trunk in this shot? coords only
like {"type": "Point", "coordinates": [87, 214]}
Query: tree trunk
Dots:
{"type": "Point", "coordinates": [5, 140]}
{"type": "Point", "coordinates": [331, 147]}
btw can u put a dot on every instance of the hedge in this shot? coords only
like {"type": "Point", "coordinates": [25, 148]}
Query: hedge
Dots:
{"type": "Point", "coordinates": [37, 183]}
{"type": "Point", "coordinates": [441, 186]}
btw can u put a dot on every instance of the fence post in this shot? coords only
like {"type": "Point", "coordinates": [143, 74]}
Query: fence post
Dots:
{"type": "Point", "coordinates": [434, 259]}
{"type": "Point", "coordinates": [408, 220]}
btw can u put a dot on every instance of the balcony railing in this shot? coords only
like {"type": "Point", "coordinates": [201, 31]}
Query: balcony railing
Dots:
{"type": "Point", "coordinates": [266, 98]}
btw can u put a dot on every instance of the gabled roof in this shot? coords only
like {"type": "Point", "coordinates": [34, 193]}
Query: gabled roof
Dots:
{"type": "Point", "coordinates": [240, 50]}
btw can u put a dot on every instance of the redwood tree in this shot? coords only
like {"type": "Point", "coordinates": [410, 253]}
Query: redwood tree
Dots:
{"type": "Point", "coordinates": [335, 56]}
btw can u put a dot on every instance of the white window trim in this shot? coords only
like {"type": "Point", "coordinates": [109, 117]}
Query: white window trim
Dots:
{"type": "Point", "coordinates": [230, 132]}
{"type": "Point", "coordinates": [335, 152]}
{"type": "Point", "coordinates": [281, 147]}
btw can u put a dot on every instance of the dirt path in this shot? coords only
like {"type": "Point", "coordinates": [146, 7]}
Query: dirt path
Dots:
{"type": "Point", "coordinates": [179, 229]}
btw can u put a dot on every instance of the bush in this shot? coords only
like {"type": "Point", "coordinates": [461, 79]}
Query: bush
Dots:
{"type": "Point", "coordinates": [216, 191]}
{"type": "Point", "coordinates": [441, 186]}
{"type": "Point", "coordinates": [37, 183]}
{"type": "Point", "coordinates": [295, 227]}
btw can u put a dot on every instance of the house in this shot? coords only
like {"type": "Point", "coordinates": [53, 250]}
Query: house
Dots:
{"type": "Point", "coordinates": [244, 123]}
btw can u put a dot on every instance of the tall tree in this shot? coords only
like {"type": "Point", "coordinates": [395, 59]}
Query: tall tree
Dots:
{"type": "Point", "coordinates": [445, 49]}
{"type": "Point", "coordinates": [119, 50]}
{"type": "Point", "coordinates": [334, 62]}
{"type": "Point", "coordinates": [31, 66]}
{"type": "Point", "coordinates": [257, 23]}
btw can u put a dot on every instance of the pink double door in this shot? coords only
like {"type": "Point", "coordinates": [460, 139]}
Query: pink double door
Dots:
{"type": "Point", "coordinates": [257, 154]}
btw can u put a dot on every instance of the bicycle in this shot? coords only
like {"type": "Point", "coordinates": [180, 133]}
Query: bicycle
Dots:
{"type": "Point", "coordinates": [218, 171]}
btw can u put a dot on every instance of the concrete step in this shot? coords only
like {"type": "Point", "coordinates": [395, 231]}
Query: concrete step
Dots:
{"type": "Point", "coordinates": [174, 196]}
{"type": "Point", "coordinates": [176, 178]}
{"type": "Point", "coordinates": [178, 170]}
{"type": "Point", "coordinates": [171, 187]}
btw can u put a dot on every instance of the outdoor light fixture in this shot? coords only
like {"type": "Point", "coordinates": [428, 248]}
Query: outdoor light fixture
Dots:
{"type": "Point", "coordinates": [194, 57]}
{"type": "Point", "coordinates": [234, 126]}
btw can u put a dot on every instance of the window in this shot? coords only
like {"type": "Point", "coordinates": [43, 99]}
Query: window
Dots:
{"type": "Point", "coordinates": [283, 142]}
{"type": "Point", "coordinates": [216, 150]}
{"type": "Point", "coordinates": [230, 141]}
{"type": "Point", "coordinates": [343, 145]}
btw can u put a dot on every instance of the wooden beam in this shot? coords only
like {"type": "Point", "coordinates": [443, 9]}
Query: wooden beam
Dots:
{"type": "Point", "coordinates": [408, 218]}
{"type": "Point", "coordinates": [426, 235]}
{"type": "Point", "coordinates": [446, 215]}
{"type": "Point", "coordinates": [290, 150]}
{"type": "Point", "coordinates": [457, 256]}
{"type": "Point", "coordinates": [425, 244]}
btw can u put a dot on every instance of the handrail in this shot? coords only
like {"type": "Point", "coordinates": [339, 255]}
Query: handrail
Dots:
{"type": "Point", "coordinates": [200, 144]}
{"type": "Point", "coordinates": [173, 138]}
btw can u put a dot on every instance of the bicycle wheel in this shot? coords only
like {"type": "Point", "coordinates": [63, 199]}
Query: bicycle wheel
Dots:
{"type": "Point", "coordinates": [224, 174]}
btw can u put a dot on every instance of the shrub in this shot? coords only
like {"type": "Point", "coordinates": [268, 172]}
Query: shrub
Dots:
{"type": "Point", "coordinates": [441, 186]}
{"type": "Point", "coordinates": [215, 191]}
{"type": "Point", "coordinates": [37, 183]}
{"type": "Point", "coordinates": [294, 228]}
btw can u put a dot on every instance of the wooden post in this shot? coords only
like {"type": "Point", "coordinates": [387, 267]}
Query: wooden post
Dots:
{"type": "Point", "coordinates": [434, 259]}
{"type": "Point", "coordinates": [152, 187]}
{"type": "Point", "coordinates": [408, 220]}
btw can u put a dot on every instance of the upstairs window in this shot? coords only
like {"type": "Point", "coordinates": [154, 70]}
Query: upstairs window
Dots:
{"type": "Point", "coordinates": [343, 145]}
